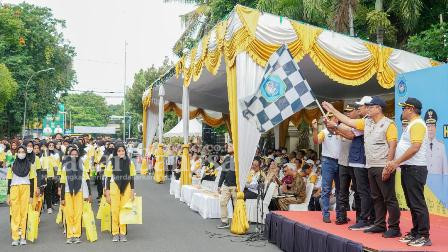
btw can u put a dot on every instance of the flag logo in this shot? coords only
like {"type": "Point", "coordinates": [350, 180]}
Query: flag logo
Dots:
{"type": "Point", "coordinates": [282, 92]}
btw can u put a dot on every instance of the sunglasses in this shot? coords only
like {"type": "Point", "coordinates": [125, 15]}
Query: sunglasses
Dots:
{"type": "Point", "coordinates": [404, 108]}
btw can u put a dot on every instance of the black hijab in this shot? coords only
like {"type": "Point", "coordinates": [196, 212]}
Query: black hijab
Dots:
{"type": "Point", "coordinates": [121, 169]}
{"type": "Point", "coordinates": [30, 156]}
{"type": "Point", "coordinates": [21, 167]}
{"type": "Point", "coordinates": [73, 170]}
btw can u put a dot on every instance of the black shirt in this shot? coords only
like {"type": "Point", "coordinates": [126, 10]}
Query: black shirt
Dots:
{"type": "Point", "coordinates": [228, 177]}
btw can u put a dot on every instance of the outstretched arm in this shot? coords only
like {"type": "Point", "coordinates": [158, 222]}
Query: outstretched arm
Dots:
{"type": "Point", "coordinates": [341, 117]}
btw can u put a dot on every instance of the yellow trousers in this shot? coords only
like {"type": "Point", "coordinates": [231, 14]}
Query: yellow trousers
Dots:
{"type": "Point", "coordinates": [117, 200]}
{"type": "Point", "coordinates": [73, 214]}
{"type": "Point", "coordinates": [19, 196]}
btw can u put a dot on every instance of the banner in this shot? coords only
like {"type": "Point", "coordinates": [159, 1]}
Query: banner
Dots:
{"type": "Point", "coordinates": [430, 86]}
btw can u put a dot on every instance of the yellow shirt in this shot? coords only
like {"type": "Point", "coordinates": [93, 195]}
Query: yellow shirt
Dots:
{"type": "Point", "coordinates": [63, 180]}
{"type": "Point", "coordinates": [31, 175]}
{"type": "Point", "coordinates": [391, 133]}
{"type": "Point", "coordinates": [417, 132]}
{"type": "Point", "coordinates": [108, 172]}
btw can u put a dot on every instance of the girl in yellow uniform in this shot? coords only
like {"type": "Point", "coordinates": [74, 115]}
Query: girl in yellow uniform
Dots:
{"type": "Point", "coordinates": [75, 186]}
{"type": "Point", "coordinates": [119, 174]}
{"type": "Point", "coordinates": [35, 163]}
{"type": "Point", "coordinates": [20, 191]}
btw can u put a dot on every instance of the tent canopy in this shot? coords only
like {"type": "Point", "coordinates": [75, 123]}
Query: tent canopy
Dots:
{"type": "Point", "coordinates": [327, 59]}
{"type": "Point", "coordinates": [194, 128]}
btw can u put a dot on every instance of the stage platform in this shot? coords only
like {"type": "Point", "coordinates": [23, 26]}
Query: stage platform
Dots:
{"type": "Point", "coordinates": [305, 231]}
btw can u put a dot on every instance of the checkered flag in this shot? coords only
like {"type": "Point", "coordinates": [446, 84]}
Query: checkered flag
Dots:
{"type": "Point", "coordinates": [282, 92]}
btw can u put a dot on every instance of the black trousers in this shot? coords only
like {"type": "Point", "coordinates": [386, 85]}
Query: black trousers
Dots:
{"type": "Point", "coordinates": [314, 204]}
{"type": "Point", "coordinates": [366, 210]}
{"type": "Point", "coordinates": [55, 190]}
{"type": "Point", "coordinates": [413, 180]}
{"type": "Point", "coordinates": [49, 192]}
{"type": "Point", "coordinates": [99, 184]}
{"type": "Point", "coordinates": [249, 194]}
{"type": "Point", "coordinates": [346, 179]}
{"type": "Point", "coordinates": [384, 199]}
{"type": "Point", "coordinates": [169, 171]}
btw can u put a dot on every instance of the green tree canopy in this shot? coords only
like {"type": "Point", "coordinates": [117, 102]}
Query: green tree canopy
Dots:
{"type": "Point", "coordinates": [8, 86]}
{"type": "Point", "coordinates": [432, 43]}
{"type": "Point", "coordinates": [30, 40]}
{"type": "Point", "coordinates": [87, 109]}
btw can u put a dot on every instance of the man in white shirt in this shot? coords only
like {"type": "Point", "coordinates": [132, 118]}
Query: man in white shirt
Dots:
{"type": "Point", "coordinates": [331, 144]}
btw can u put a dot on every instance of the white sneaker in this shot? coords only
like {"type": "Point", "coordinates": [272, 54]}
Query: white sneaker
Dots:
{"type": "Point", "coordinates": [15, 243]}
{"type": "Point", "coordinates": [22, 241]}
{"type": "Point", "coordinates": [116, 238]}
{"type": "Point", "coordinates": [69, 241]}
{"type": "Point", "coordinates": [77, 240]}
{"type": "Point", "coordinates": [50, 211]}
{"type": "Point", "coordinates": [123, 238]}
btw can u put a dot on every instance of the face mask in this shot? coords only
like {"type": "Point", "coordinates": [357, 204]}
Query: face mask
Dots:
{"type": "Point", "coordinates": [63, 148]}
{"type": "Point", "coordinates": [29, 150]}
{"type": "Point", "coordinates": [2, 147]}
{"type": "Point", "coordinates": [21, 155]}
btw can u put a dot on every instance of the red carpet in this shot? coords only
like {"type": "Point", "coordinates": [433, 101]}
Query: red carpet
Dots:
{"type": "Point", "coordinates": [439, 231]}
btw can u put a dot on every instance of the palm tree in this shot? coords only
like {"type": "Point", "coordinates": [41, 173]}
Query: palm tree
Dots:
{"type": "Point", "coordinates": [343, 15]}
{"type": "Point", "coordinates": [195, 23]}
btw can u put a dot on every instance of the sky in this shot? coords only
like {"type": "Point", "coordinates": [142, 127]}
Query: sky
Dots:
{"type": "Point", "coordinates": [98, 30]}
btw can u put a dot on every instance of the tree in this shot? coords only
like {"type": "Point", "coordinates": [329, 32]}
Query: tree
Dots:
{"type": "Point", "coordinates": [432, 43]}
{"type": "Point", "coordinates": [8, 86]}
{"type": "Point", "coordinates": [142, 80]}
{"type": "Point", "coordinates": [87, 109]}
{"type": "Point", "coordinates": [30, 40]}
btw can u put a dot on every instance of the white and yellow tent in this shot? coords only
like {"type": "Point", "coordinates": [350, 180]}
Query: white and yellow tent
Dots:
{"type": "Point", "coordinates": [228, 64]}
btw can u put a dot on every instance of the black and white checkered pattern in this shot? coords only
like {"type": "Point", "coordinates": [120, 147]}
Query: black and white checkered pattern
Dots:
{"type": "Point", "coordinates": [297, 93]}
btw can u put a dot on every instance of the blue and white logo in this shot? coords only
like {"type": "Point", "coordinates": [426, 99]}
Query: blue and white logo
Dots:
{"type": "Point", "coordinates": [402, 88]}
{"type": "Point", "coordinates": [272, 88]}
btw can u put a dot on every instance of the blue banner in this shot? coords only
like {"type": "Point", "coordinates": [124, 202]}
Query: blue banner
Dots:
{"type": "Point", "coordinates": [430, 86]}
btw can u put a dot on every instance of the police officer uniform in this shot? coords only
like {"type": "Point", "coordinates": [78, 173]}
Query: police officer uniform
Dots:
{"type": "Point", "coordinates": [436, 152]}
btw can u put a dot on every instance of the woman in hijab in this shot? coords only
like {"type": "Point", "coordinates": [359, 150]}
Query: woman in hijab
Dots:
{"type": "Point", "coordinates": [49, 162]}
{"type": "Point", "coordinates": [20, 191]}
{"type": "Point", "coordinates": [74, 188]}
{"type": "Point", "coordinates": [119, 174]}
{"type": "Point", "coordinates": [35, 163]}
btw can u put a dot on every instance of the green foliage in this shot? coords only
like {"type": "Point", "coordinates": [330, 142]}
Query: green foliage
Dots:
{"type": "Point", "coordinates": [170, 120]}
{"type": "Point", "coordinates": [134, 105]}
{"type": "Point", "coordinates": [432, 43]}
{"type": "Point", "coordinates": [87, 109]}
{"type": "Point", "coordinates": [30, 40]}
{"type": "Point", "coordinates": [8, 86]}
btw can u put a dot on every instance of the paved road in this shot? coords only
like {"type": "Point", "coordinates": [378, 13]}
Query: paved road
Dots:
{"type": "Point", "coordinates": [169, 225]}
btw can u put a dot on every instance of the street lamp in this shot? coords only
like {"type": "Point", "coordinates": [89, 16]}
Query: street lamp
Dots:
{"type": "Point", "coordinates": [26, 96]}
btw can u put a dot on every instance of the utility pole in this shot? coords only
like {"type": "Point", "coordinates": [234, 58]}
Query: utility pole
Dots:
{"type": "Point", "coordinates": [124, 91]}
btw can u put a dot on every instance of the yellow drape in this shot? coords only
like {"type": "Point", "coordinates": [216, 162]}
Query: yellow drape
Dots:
{"type": "Point", "coordinates": [185, 171]}
{"type": "Point", "coordinates": [240, 225]}
{"type": "Point", "coordinates": [244, 39]}
{"type": "Point", "coordinates": [159, 170]}
{"type": "Point", "coordinates": [214, 122]}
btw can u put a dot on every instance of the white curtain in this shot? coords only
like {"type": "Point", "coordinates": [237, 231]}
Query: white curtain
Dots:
{"type": "Point", "coordinates": [152, 120]}
{"type": "Point", "coordinates": [248, 77]}
{"type": "Point", "coordinates": [161, 113]}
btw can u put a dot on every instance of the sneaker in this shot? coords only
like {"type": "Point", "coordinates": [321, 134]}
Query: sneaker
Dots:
{"type": "Point", "coordinates": [407, 238]}
{"type": "Point", "coordinates": [326, 219]}
{"type": "Point", "coordinates": [50, 211]}
{"type": "Point", "coordinates": [116, 238]}
{"type": "Point", "coordinates": [392, 233]}
{"type": "Point", "coordinates": [341, 221]}
{"type": "Point", "coordinates": [223, 225]}
{"type": "Point", "coordinates": [22, 241]}
{"type": "Point", "coordinates": [420, 242]}
{"type": "Point", "coordinates": [15, 243]}
{"type": "Point", "coordinates": [375, 230]}
{"type": "Point", "coordinates": [69, 241]}
{"type": "Point", "coordinates": [361, 225]}
{"type": "Point", "coordinates": [77, 240]}
{"type": "Point", "coordinates": [123, 238]}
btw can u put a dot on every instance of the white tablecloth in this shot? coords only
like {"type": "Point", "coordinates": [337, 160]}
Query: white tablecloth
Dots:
{"type": "Point", "coordinates": [208, 205]}
{"type": "Point", "coordinates": [186, 193]}
{"type": "Point", "coordinates": [175, 188]}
